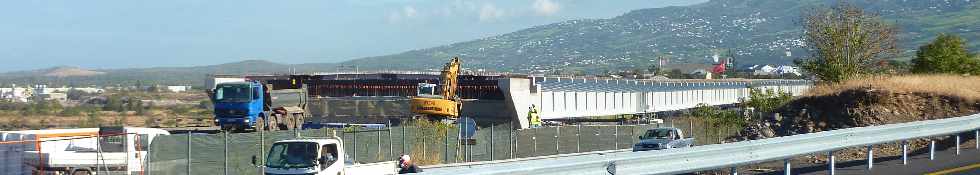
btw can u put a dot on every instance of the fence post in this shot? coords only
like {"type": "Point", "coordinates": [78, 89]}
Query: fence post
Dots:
{"type": "Point", "coordinates": [391, 145]}
{"type": "Point", "coordinates": [149, 155]}
{"type": "Point", "coordinates": [378, 133]}
{"type": "Point", "coordinates": [578, 139]}
{"type": "Point", "coordinates": [446, 151]}
{"type": "Point", "coordinates": [404, 144]}
{"type": "Point", "coordinates": [616, 137]}
{"type": "Point", "coordinates": [188, 153]}
{"type": "Point", "coordinates": [225, 137]}
{"type": "Point", "coordinates": [491, 141]}
{"type": "Point", "coordinates": [534, 139]}
{"type": "Point", "coordinates": [262, 149]}
{"type": "Point", "coordinates": [353, 156]}
{"type": "Point", "coordinates": [511, 142]}
{"type": "Point", "coordinates": [557, 139]}
{"type": "Point", "coordinates": [423, 139]}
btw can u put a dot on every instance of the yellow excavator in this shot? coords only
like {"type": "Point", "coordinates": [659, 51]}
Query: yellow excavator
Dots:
{"type": "Point", "coordinates": [444, 105]}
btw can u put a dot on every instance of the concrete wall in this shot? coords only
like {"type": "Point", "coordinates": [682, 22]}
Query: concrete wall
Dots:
{"type": "Point", "coordinates": [517, 92]}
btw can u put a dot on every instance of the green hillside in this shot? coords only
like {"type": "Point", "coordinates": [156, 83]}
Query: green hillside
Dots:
{"type": "Point", "coordinates": [755, 31]}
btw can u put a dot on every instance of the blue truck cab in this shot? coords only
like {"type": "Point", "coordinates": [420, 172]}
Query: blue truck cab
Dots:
{"type": "Point", "coordinates": [237, 105]}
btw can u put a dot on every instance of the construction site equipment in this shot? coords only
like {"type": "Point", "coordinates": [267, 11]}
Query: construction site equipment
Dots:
{"type": "Point", "coordinates": [445, 105]}
{"type": "Point", "coordinates": [252, 105]}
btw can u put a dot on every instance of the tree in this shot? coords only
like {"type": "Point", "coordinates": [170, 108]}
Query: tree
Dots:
{"type": "Point", "coordinates": [766, 101]}
{"type": "Point", "coordinates": [844, 42]}
{"type": "Point", "coordinates": [946, 54]}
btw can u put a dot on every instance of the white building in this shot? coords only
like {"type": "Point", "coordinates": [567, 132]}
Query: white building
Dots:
{"type": "Point", "coordinates": [178, 88]}
{"type": "Point", "coordinates": [15, 94]}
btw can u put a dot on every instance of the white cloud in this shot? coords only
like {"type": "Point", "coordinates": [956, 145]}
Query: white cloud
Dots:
{"type": "Point", "coordinates": [406, 13]}
{"type": "Point", "coordinates": [545, 7]}
{"type": "Point", "coordinates": [410, 12]}
{"type": "Point", "coordinates": [490, 12]}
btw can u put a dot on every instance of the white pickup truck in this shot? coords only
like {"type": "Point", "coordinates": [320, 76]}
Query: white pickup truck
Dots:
{"type": "Point", "coordinates": [316, 156]}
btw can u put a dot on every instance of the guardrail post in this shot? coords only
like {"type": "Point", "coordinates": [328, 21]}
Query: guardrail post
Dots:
{"type": "Point", "coordinates": [787, 167]}
{"type": "Point", "coordinates": [905, 152]}
{"type": "Point", "coordinates": [932, 150]}
{"type": "Point", "coordinates": [957, 144]}
{"type": "Point", "coordinates": [871, 156]}
{"type": "Point", "coordinates": [734, 171]}
{"type": "Point", "coordinates": [976, 138]}
{"type": "Point", "coordinates": [830, 161]}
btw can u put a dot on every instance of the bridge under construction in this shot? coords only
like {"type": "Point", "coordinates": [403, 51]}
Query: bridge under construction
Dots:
{"type": "Point", "coordinates": [378, 97]}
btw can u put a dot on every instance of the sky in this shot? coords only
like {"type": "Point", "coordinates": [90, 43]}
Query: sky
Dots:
{"type": "Point", "coordinates": [104, 34]}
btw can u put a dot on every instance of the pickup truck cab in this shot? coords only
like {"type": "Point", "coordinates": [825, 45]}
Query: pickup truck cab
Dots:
{"type": "Point", "coordinates": [663, 138]}
{"type": "Point", "coordinates": [321, 156]}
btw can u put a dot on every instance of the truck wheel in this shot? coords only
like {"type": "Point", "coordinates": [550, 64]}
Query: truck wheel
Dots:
{"type": "Point", "coordinates": [298, 119]}
{"type": "Point", "coordinates": [81, 172]}
{"type": "Point", "coordinates": [290, 122]}
{"type": "Point", "coordinates": [260, 124]}
{"type": "Point", "coordinates": [272, 123]}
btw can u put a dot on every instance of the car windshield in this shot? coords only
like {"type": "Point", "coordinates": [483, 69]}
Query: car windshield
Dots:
{"type": "Point", "coordinates": [232, 93]}
{"type": "Point", "coordinates": [292, 155]}
{"type": "Point", "coordinates": [658, 133]}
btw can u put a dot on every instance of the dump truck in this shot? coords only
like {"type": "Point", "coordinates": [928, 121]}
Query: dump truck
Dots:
{"type": "Point", "coordinates": [111, 150]}
{"type": "Point", "coordinates": [663, 138]}
{"type": "Point", "coordinates": [320, 156]}
{"type": "Point", "coordinates": [251, 105]}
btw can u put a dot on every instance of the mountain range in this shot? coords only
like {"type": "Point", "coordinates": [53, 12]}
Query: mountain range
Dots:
{"type": "Point", "coordinates": [750, 31]}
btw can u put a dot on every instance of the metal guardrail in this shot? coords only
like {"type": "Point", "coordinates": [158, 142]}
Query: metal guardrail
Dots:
{"type": "Point", "coordinates": [722, 156]}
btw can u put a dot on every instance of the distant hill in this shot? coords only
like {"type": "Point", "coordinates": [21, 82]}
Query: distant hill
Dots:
{"type": "Point", "coordinates": [71, 72]}
{"type": "Point", "coordinates": [755, 31]}
{"type": "Point", "coordinates": [160, 75]}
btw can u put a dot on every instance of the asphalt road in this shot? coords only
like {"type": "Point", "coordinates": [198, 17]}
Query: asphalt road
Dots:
{"type": "Point", "coordinates": [946, 162]}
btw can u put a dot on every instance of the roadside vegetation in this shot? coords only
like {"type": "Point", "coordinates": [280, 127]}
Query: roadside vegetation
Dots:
{"type": "Point", "coordinates": [113, 108]}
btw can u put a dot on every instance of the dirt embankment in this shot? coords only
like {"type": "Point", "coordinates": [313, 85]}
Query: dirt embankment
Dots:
{"type": "Point", "coordinates": [857, 108]}
{"type": "Point", "coordinates": [870, 102]}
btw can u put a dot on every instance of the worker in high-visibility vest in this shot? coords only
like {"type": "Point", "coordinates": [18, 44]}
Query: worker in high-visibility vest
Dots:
{"type": "Point", "coordinates": [532, 117]}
